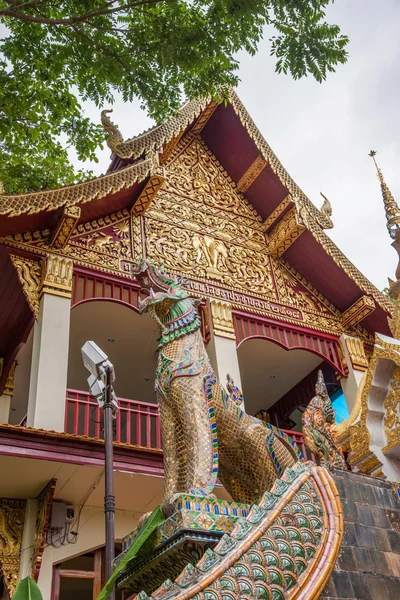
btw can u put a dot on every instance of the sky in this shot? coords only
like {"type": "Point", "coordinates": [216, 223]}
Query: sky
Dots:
{"type": "Point", "coordinates": [322, 133]}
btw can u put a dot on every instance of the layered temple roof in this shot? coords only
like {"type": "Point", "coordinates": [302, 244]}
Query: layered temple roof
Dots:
{"type": "Point", "coordinates": [231, 135]}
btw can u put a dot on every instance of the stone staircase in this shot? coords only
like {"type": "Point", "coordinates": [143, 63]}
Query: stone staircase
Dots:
{"type": "Point", "coordinates": [368, 565]}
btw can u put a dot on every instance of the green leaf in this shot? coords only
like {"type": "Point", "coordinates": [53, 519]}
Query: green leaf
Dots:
{"type": "Point", "coordinates": [154, 520]}
{"type": "Point", "coordinates": [27, 589]}
{"type": "Point", "coordinates": [57, 55]}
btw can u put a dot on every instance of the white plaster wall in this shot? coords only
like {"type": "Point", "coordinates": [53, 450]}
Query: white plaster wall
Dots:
{"type": "Point", "coordinates": [90, 536]}
{"type": "Point", "coordinates": [224, 360]}
{"type": "Point", "coordinates": [350, 384]}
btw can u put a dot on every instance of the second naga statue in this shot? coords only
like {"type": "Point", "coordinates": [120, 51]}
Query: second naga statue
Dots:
{"type": "Point", "coordinates": [205, 431]}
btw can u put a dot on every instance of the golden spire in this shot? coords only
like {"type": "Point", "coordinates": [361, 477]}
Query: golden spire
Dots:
{"type": "Point", "coordinates": [392, 211]}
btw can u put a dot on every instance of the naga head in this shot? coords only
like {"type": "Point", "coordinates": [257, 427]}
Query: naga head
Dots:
{"type": "Point", "coordinates": [169, 305]}
{"type": "Point", "coordinates": [157, 287]}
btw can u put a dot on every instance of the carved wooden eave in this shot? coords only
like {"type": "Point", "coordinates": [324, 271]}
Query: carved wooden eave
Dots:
{"type": "Point", "coordinates": [363, 307]}
{"type": "Point", "coordinates": [251, 174]}
{"type": "Point", "coordinates": [284, 234]}
{"type": "Point", "coordinates": [79, 193]}
{"type": "Point", "coordinates": [148, 194]}
{"type": "Point", "coordinates": [278, 212]}
{"type": "Point", "coordinates": [65, 225]}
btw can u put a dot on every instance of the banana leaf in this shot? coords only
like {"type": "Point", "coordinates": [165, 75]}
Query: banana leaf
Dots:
{"type": "Point", "coordinates": [150, 525]}
{"type": "Point", "coordinates": [27, 589]}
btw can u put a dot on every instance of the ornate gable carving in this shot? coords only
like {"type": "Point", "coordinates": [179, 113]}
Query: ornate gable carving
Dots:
{"type": "Point", "coordinates": [201, 226]}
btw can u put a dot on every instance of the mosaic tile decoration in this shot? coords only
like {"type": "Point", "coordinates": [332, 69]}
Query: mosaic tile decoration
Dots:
{"type": "Point", "coordinates": [187, 509]}
{"type": "Point", "coordinates": [284, 548]}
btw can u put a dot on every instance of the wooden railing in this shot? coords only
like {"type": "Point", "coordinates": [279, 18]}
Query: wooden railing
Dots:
{"type": "Point", "coordinates": [136, 423]}
{"type": "Point", "coordinates": [298, 437]}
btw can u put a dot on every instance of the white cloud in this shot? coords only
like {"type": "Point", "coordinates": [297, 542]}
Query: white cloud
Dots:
{"type": "Point", "coordinates": [322, 133]}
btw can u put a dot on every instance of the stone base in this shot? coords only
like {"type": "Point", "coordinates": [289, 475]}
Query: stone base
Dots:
{"type": "Point", "coordinates": [197, 524]}
{"type": "Point", "coordinates": [368, 566]}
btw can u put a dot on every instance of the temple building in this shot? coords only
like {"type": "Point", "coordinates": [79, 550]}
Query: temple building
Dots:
{"type": "Point", "coordinates": [204, 196]}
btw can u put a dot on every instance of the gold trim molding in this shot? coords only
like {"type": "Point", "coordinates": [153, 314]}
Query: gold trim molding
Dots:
{"type": "Point", "coordinates": [148, 194]}
{"type": "Point", "coordinates": [363, 307]}
{"type": "Point", "coordinates": [222, 319]}
{"type": "Point", "coordinates": [277, 212]}
{"type": "Point", "coordinates": [65, 226]}
{"type": "Point", "coordinates": [355, 348]}
{"type": "Point", "coordinates": [204, 118]}
{"type": "Point", "coordinates": [251, 174]}
{"type": "Point", "coordinates": [12, 517]}
{"type": "Point", "coordinates": [284, 234]}
{"type": "Point", "coordinates": [79, 193]}
{"type": "Point", "coordinates": [57, 276]}
{"type": "Point", "coordinates": [30, 276]}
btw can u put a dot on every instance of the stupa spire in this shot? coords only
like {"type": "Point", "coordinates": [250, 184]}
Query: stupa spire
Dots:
{"type": "Point", "coordinates": [392, 212]}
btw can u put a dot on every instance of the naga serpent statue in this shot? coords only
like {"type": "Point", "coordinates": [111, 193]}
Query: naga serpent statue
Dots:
{"type": "Point", "coordinates": [205, 431]}
{"type": "Point", "coordinates": [318, 421]}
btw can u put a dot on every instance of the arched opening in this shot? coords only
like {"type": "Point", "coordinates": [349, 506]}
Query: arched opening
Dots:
{"type": "Point", "coordinates": [130, 341]}
{"type": "Point", "coordinates": [19, 400]}
{"type": "Point", "coordinates": [278, 383]}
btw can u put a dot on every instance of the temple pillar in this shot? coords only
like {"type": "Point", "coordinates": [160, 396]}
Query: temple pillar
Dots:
{"type": "Point", "coordinates": [6, 397]}
{"type": "Point", "coordinates": [357, 363]}
{"type": "Point", "coordinates": [28, 539]}
{"type": "Point", "coordinates": [222, 345]}
{"type": "Point", "coordinates": [48, 380]}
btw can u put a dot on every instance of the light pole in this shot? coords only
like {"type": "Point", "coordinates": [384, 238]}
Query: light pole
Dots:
{"type": "Point", "coordinates": [100, 386]}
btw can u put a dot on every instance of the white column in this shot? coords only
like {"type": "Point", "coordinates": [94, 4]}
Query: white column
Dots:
{"type": "Point", "coordinates": [28, 539]}
{"type": "Point", "coordinates": [357, 363]}
{"type": "Point", "coordinates": [48, 380]}
{"type": "Point", "coordinates": [222, 345]}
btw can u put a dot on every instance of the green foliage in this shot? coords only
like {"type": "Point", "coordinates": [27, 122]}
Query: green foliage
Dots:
{"type": "Point", "coordinates": [27, 590]}
{"type": "Point", "coordinates": [150, 525]}
{"type": "Point", "coordinates": [55, 53]}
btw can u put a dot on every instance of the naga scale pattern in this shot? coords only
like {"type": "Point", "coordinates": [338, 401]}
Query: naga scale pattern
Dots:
{"type": "Point", "coordinates": [284, 549]}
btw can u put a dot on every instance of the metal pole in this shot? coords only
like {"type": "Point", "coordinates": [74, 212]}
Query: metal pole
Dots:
{"type": "Point", "coordinates": [109, 498]}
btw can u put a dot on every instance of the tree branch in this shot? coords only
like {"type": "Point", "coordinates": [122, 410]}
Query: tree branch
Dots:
{"type": "Point", "coordinates": [8, 12]}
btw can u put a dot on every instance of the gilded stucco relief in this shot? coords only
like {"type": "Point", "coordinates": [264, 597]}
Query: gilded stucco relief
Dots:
{"type": "Point", "coordinates": [201, 226]}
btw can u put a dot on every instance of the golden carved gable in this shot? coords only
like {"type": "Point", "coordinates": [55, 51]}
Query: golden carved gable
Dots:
{"type": "Point", "coordinates": [198, 224]}
{"type": "Point", "coordinates": [201, 226]}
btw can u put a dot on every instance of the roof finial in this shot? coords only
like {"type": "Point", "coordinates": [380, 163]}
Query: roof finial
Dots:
{"type": "Point", "coordinates": [114, 135]}
{"type": "Point", "coordinates": [392, 211]}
